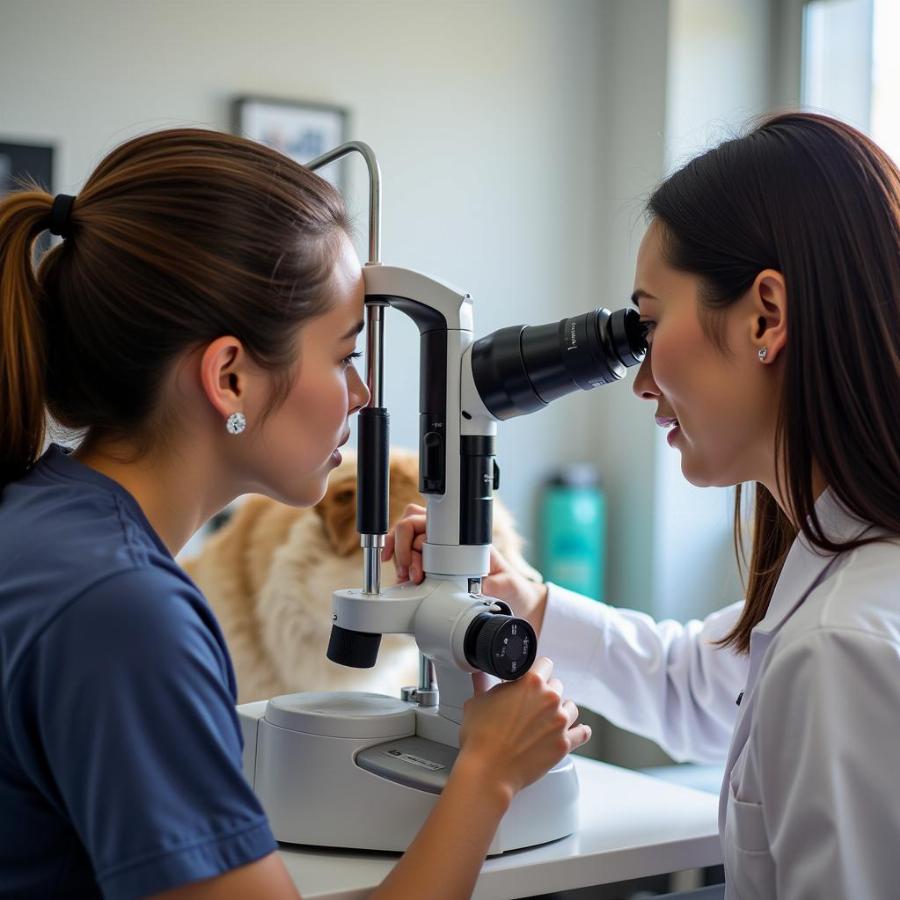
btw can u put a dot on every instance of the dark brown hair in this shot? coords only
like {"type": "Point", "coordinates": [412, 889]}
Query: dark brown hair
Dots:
{"type": "Point", "coordinates": [819, 202]}
{"type": "Point", "coordinates": [177, 238]}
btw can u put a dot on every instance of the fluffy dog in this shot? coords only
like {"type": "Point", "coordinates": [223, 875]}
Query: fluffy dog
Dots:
{"type": "Point", "coordinates": [269, 574]}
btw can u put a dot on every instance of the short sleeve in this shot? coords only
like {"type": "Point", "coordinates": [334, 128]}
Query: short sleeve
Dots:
{"type": "Point", "coordinates": [124, 718]}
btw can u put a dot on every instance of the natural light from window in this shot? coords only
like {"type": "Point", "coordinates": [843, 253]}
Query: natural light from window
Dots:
{"type": "Point", "coordinates": [885, 128]}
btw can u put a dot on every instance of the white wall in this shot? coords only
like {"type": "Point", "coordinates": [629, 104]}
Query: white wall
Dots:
{"type": "Point", "coordinates": [485, 116]}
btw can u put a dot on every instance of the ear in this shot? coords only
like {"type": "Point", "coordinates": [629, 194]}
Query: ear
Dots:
{"type": "Point", "coordinates": [768, 296]}
{"type": "Point", "coordinates": [223, 375]}
{"type": "Point", "coordinates": [337, 510]}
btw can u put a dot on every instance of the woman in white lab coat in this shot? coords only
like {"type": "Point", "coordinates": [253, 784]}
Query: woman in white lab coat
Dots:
{"type": "Point", "coordinates": [769, 282]}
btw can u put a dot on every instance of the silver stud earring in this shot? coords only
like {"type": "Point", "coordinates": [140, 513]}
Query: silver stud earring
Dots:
{"type": "Point", "coordinates": [236, 423]}
{"type": "Point", "coordinates": [762, 354]}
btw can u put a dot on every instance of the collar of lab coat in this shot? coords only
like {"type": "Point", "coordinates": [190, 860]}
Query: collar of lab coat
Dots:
{"type": "Point", "coordinates": [805, 563]}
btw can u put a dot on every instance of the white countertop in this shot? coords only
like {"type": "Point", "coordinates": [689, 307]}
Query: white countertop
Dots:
{"type": "Point", "coordinates": [631, 825]}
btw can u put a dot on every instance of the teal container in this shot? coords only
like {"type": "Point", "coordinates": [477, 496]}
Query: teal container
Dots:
{"type": "Point", "coordinates": [573, 531]}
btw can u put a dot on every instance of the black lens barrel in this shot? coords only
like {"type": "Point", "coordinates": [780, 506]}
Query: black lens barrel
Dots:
{"type": "Point", "coordinates": [521, 369]}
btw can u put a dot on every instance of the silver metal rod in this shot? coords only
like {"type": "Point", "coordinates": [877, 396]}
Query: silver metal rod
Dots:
{"type": "Point", "coordinates": [372, 545]}
{"type": "Point", "coordinates": [371, 570]}
{"type": "Point", "coordinates": [375, 353]}
{"type": "Point", "coordinates": [374, 189]}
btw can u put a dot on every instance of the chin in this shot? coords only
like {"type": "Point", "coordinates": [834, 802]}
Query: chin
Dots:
{"type": "Point", "coordinates": [316, 496]}
{"type": "Point", "coordinates": [704, 478]}
{"type": "Point", "coordinates": [696, 480]}
{"type": "Point", "coordinates": [307, 494]}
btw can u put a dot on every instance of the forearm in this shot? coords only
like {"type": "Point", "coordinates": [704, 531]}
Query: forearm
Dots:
{"type": "Point", "coordinates": [663, 680]}
{"type": "Point", "coordinates": [444, 860]}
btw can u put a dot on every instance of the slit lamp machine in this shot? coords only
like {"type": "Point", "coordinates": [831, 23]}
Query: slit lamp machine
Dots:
{"type": "Point", "coordinates": [361, 770]}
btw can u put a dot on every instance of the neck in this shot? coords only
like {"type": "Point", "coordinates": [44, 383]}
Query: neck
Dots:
{"type": "Point", "coordinates": [819, 485]}
{"type": "Point", "coordinates": [178, 491]}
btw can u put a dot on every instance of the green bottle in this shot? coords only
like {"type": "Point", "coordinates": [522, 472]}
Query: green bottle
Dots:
{"type": "Point", "coordinates": [573, 530]}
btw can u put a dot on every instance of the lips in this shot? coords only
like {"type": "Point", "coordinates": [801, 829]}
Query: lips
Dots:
{"type": "Point", "coordinates": [666, 421]}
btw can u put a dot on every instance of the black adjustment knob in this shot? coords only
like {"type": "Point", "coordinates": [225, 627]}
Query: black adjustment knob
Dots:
{"type": "Point", "coordinates": [500, 645]}
{"type": "Point", "coordinates": [496, 476]}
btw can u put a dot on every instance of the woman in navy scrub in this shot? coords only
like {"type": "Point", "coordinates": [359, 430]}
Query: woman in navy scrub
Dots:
{"type": "Point", "coordinates": [196, 327]}
{"type": "Point", "coordinates": [769, 282]}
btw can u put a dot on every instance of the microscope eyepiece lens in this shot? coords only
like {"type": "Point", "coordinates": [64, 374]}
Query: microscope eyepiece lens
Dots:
{"type": "Point", "coordinates": [627, 335]}
{"type": "Point", "coordinates": [358, 649]}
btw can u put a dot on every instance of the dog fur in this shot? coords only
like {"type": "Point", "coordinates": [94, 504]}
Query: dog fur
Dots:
{"type": "Point", "coordinates": [270, 571]}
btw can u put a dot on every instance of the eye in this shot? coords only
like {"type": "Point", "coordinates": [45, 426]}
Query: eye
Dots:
{"type": "Point", "coordinates": [647, 327]}
{"type": "Point", "coordinates": [347, 361]}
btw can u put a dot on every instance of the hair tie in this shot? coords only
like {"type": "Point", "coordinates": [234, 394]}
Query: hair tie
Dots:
{"type": "Point", "coordinates": [60, 215]}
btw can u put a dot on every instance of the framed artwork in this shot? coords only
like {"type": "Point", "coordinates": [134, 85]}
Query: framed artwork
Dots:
{"type": "Point", "coordinates": [20, 161]}
{"type": "Point", "coordinates": [297, 129]}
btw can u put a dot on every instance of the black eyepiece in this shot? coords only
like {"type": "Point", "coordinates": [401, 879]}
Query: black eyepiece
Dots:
{"type": "Point", "coordinates": [521, 369]}
{"type": "Point", "coordinates": [358, 649]}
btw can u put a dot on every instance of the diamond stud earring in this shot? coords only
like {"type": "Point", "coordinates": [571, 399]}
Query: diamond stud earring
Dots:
{"type": "Point", "coordinates": [763, 353]}
{"type": "Point", "coordinates": [236, 423]}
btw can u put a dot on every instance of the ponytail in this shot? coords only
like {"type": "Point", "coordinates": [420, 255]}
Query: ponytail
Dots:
{"type": "Point", "coordinates": [23, 353]}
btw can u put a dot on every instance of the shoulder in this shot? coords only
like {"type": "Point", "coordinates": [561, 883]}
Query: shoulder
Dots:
{"type": "Point", "coordinates": [129, 623]}
{"type": "Point", "coordinates": [147, 596]}
{"type": "Point", "coordinates": [862, 595]}
{"type": "Point", "coordinates": [850, 620]}
{"type": "Point", "coordinates": [147, 606]}
{"type": "Point", "coordinates": [844, 640]}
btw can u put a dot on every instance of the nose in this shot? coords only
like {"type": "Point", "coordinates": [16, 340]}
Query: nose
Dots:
{"type": "Point", "coordinates": [359, 392]}
{"type": "Point", "coordinates": [644, 386]}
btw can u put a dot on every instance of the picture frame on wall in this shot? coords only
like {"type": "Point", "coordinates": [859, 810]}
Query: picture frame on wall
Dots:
{"type": "Point", "coordinates": [19, 162]}
{"type": "Point", "coordinates": [299, 129]}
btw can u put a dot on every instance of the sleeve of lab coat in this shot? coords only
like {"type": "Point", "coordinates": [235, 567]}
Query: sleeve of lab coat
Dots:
{"type": "Point", "coordinates": [663, 680]}
{"type": "Point", "coordinates": [826, 741]}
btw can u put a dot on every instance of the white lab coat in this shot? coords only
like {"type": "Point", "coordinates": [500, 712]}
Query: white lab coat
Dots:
{"type": "Point", "coordinates": [810, 802]}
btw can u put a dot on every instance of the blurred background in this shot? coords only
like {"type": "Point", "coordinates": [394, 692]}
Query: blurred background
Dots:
{"type": "Point", "coordinates": [518, 141]}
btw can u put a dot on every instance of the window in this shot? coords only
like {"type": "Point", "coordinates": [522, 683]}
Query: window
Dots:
{"type": "Point", "coordinates": [850, 65]}
{"type": "Point", "coordinates": [837, 59]}
{"type": "Point", "coordinates": [885, 126]}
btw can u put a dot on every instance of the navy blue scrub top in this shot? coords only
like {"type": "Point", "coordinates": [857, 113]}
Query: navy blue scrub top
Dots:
{"type": "Point", "coordinates": [120, 748]}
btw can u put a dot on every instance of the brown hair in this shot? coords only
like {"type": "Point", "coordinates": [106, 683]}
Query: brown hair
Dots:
{"type": "Point", "coordinates": [818, 201]}
{"type": "Point", "coordinates": [177, 238]}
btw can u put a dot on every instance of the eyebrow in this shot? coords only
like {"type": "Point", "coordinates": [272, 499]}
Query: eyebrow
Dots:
{"type": "Point", "coordinates": [636, 296]}
{"type": "Point", "coordinates": [354, 331]}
